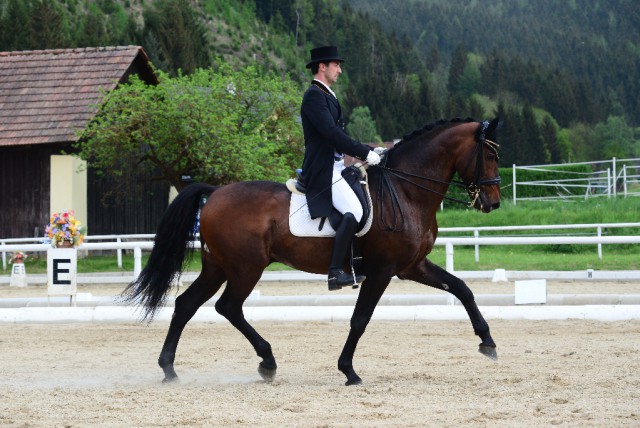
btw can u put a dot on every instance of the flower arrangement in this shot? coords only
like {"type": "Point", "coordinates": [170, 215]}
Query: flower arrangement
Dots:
{"type": "Point", "coordinates": [63, 227]}
{"type": "Point", "coordinates": [18, 257]}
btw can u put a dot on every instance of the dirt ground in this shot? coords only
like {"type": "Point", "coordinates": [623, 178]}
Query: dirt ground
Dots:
{"type": "Point", "coordinates": [568, 373]}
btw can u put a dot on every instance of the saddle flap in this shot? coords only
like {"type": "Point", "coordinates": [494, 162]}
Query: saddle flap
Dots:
{"type": "Point", "coordinates": [300, 222]}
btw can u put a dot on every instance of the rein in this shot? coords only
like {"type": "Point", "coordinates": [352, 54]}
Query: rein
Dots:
{"type": "Point", "coordinates": [473, 189]}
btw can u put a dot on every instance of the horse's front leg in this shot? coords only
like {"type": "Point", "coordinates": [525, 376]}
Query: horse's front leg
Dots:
{"type": "Point", "coordinates": [368, 298]}
{"type": "Point", "coordinates": [432, 275]}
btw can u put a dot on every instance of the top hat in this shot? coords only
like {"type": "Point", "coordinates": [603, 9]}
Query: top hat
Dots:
{"type": "Point", "coordinates": [324, 54]}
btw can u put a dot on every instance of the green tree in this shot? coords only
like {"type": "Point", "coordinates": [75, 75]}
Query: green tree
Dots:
{"type": "Point", "coordinates": [559, 149]}
{"type": "Point", "coordinates": [15, 24]}
{"type": "Point", "coordinates": [616, 138]}
{"type": "Point", "coordinates": [49, 26]}
{"type": "Point", "coordinates": [217, 126]}
{"type": "Point", "coordinates": [362, 127]}
{"type": "Point", "coordinates": [456, 70]}
{"type": "Point", "coordinates": [181, 38]}
{"type": "Point", "coordinates": [469, 80]}
{"type": "Point", "coordinates": [584, 144]}
{"type": "Point", "coordinates": [533, 151]}
{"type": "Point", "coordinates": [93, 30]}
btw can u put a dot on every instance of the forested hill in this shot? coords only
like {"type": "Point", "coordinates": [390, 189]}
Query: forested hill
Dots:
{"type": "Point", "coordinates": [563, 74]}
{"type": "Point", "coordinates": [597, 41]}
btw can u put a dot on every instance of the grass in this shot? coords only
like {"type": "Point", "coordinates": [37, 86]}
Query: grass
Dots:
{"type": "Point", "coordinates": [516, 257]}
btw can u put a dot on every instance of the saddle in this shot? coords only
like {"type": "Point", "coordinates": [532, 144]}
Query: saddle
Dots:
{"type": "Point", "coordinates": [300, 222]}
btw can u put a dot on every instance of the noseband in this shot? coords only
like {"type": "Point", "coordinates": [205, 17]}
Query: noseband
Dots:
{"type": "Point", "coordinates": [473, 189]}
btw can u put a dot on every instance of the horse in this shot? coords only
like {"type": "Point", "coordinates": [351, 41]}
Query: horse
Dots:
{"type": "Point", "coordinates": [244, 227]}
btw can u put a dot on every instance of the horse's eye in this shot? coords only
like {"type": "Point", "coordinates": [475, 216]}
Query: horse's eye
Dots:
{"type": "Point", "coordinates": [491, 157]}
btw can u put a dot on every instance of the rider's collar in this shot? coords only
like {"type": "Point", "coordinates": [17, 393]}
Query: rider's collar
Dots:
{"type": "Point", "coordinates": [324, 87]}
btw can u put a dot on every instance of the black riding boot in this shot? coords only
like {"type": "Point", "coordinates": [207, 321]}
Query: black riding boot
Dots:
{"type": "Point", "coordinates": [344, 235]}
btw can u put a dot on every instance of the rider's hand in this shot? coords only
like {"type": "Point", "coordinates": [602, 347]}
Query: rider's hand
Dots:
{"type": "Point", "coordinates": [380, 150]}
{"type": "Point", "coordinates": [373, 158]}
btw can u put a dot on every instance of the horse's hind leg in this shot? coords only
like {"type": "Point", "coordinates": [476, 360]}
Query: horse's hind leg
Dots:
{"type": "Point", "coordinates": [230, 306]}
{"type": "Point", "coordinates": [430, 274]}
{"type": "Point", "coordinates": [186, 305]}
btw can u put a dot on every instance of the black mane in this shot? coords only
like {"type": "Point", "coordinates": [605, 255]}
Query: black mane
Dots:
{"type": "Point", "coordinates": [431, 126]}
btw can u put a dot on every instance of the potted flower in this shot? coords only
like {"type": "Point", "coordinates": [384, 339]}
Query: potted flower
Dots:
{"type": "Point", "coordinates": [18, 257]}
{"type": "Point", "coordinates": [64, 230]}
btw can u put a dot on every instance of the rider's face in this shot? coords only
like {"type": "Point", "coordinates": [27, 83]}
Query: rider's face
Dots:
{"type": "Point", "coordinates": [331, 72]}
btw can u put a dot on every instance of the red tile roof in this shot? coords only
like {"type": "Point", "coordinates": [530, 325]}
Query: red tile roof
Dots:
{"type": "Point", "coordinates": [47, 96]}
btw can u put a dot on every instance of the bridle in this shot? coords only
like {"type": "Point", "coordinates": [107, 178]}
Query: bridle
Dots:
{"type": "Point", "coordinates": [473, 188]}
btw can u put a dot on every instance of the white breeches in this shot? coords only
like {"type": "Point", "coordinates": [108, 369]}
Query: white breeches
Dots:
{"type": "Point", "coordinates": [343, 197]}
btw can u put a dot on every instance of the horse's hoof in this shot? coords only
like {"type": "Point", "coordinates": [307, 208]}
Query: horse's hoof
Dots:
{"type": "Point", "coordinates": [173, 379]}
{"type": "Point", "coordinates": [266, 374]}
{"type": "Point", "coordinates": [488, 351]}
{"type": "Point", "coordinates": [355, 381]}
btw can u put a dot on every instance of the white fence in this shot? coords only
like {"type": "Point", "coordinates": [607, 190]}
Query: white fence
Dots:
{"type": "Point", "coordinates": [605, 179]}
{"type": "Point", "coordinates": [118, 242]}
{"type": "Point", "coordinates": [587, 229]}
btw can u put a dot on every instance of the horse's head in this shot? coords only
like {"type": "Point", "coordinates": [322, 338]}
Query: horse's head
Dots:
{"type": "Point", "coordinates": [477, 165]}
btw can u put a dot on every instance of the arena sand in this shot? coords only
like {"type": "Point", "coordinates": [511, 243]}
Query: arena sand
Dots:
{"type": "Point", "coordinates": [567, 373]}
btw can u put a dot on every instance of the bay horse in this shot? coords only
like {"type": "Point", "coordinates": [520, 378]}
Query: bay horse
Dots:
{"type": "Point", "coordinates": [244, 227]}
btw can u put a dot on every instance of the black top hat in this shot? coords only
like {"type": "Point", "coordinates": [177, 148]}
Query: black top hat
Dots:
{"type": "Point", "coordinates": [324, 54]}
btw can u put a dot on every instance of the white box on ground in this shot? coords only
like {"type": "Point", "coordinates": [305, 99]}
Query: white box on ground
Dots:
{"type": "Point", "coordinates": [532, 291]}
{"type": "Point", "coordinates": [499, 275]}
{"type": "Point", "coordinates": [18, 275]}
{"type": "Point", "coordinates": [62, 271]}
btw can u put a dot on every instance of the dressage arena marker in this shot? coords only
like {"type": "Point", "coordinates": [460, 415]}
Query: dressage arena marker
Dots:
{"type": "Point", "coordinates": [61, 273]}
{"type": "Point", "coordinates": [18, 275]}
{"type": "Point", "coordinates": [531, 292]}
{"type": "Point", "coordinates": [499, 275]}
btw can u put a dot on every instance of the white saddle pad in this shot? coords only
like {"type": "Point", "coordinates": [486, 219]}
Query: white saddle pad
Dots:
{"type": "Point", "coordinates": [301, 224]}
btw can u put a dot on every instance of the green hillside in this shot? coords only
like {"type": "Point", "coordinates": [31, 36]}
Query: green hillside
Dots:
{"type": "Point", "coordinates": [564, 75]}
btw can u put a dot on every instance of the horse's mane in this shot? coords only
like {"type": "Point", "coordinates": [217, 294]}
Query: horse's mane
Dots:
{"type": "Point", "coordinates": [434, 127]}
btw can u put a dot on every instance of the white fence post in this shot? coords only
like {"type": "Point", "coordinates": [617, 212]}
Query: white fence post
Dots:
{"type": "Point", "coordinates": [449, 257]}
{"type": "Point", "coordinates": [514, 183]}
{"type": "Point", "coordinates": [4, 257]}
{"type": "Point", "coordinates": [599, 244]}
{"type": "Point", "coordinates": [476, 233]}
{"type": "Point", "coordinates": [615, 178]}
{"type": "Point", "coordinates": [137, 262]}
{"type": "Point", "coordinates": [119, 253]}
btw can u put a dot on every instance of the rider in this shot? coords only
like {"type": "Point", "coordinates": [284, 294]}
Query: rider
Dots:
{"type": "Point", "coordinates": [326, 143]}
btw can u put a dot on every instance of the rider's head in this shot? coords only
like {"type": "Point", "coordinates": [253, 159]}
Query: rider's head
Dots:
{"type": "Point", "coordinates": [325, 64]}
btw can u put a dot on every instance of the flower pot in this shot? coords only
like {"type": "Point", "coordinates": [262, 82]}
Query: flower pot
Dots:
{"type": "Point", "coordinates": [65, 244]}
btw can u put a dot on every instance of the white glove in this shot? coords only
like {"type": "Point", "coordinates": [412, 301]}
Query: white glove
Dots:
{"type": "Point", "coordinates": [373, 158]}
{"type": "Point", "coordinates": [380, 150]}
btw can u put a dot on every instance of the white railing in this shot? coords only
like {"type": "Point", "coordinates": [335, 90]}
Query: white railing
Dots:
{"type": "Point", "coordinates": [595, 229]}
{"type": "Point", "coordinates": [602, 181]}
{"type": "Point", "coordinates": [137, 248]}
{"type": "Point", "coordinates": [87, 239]}
{"type": "Point", "coordinates": [530, 240]}
{"type": "Point", "coordinates": [13, 245]}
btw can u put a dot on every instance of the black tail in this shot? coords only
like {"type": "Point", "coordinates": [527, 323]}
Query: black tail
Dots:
{"type": "Point", "coordinates": [171, 248]}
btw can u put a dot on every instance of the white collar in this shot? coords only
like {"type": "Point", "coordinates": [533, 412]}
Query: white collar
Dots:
{"type": "Point", "coordinates": [326, 87]}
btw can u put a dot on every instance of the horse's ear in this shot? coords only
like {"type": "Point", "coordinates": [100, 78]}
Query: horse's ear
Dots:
{"type": "Point", "coordinates": [490, 132]}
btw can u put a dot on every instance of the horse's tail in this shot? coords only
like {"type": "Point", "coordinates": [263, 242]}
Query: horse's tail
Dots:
{"type": "Point", "coordinates": [172, 247]}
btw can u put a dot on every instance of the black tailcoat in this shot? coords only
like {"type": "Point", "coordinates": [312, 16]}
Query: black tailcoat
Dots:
{"type": "Point", "coordinates": [323, 137]}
